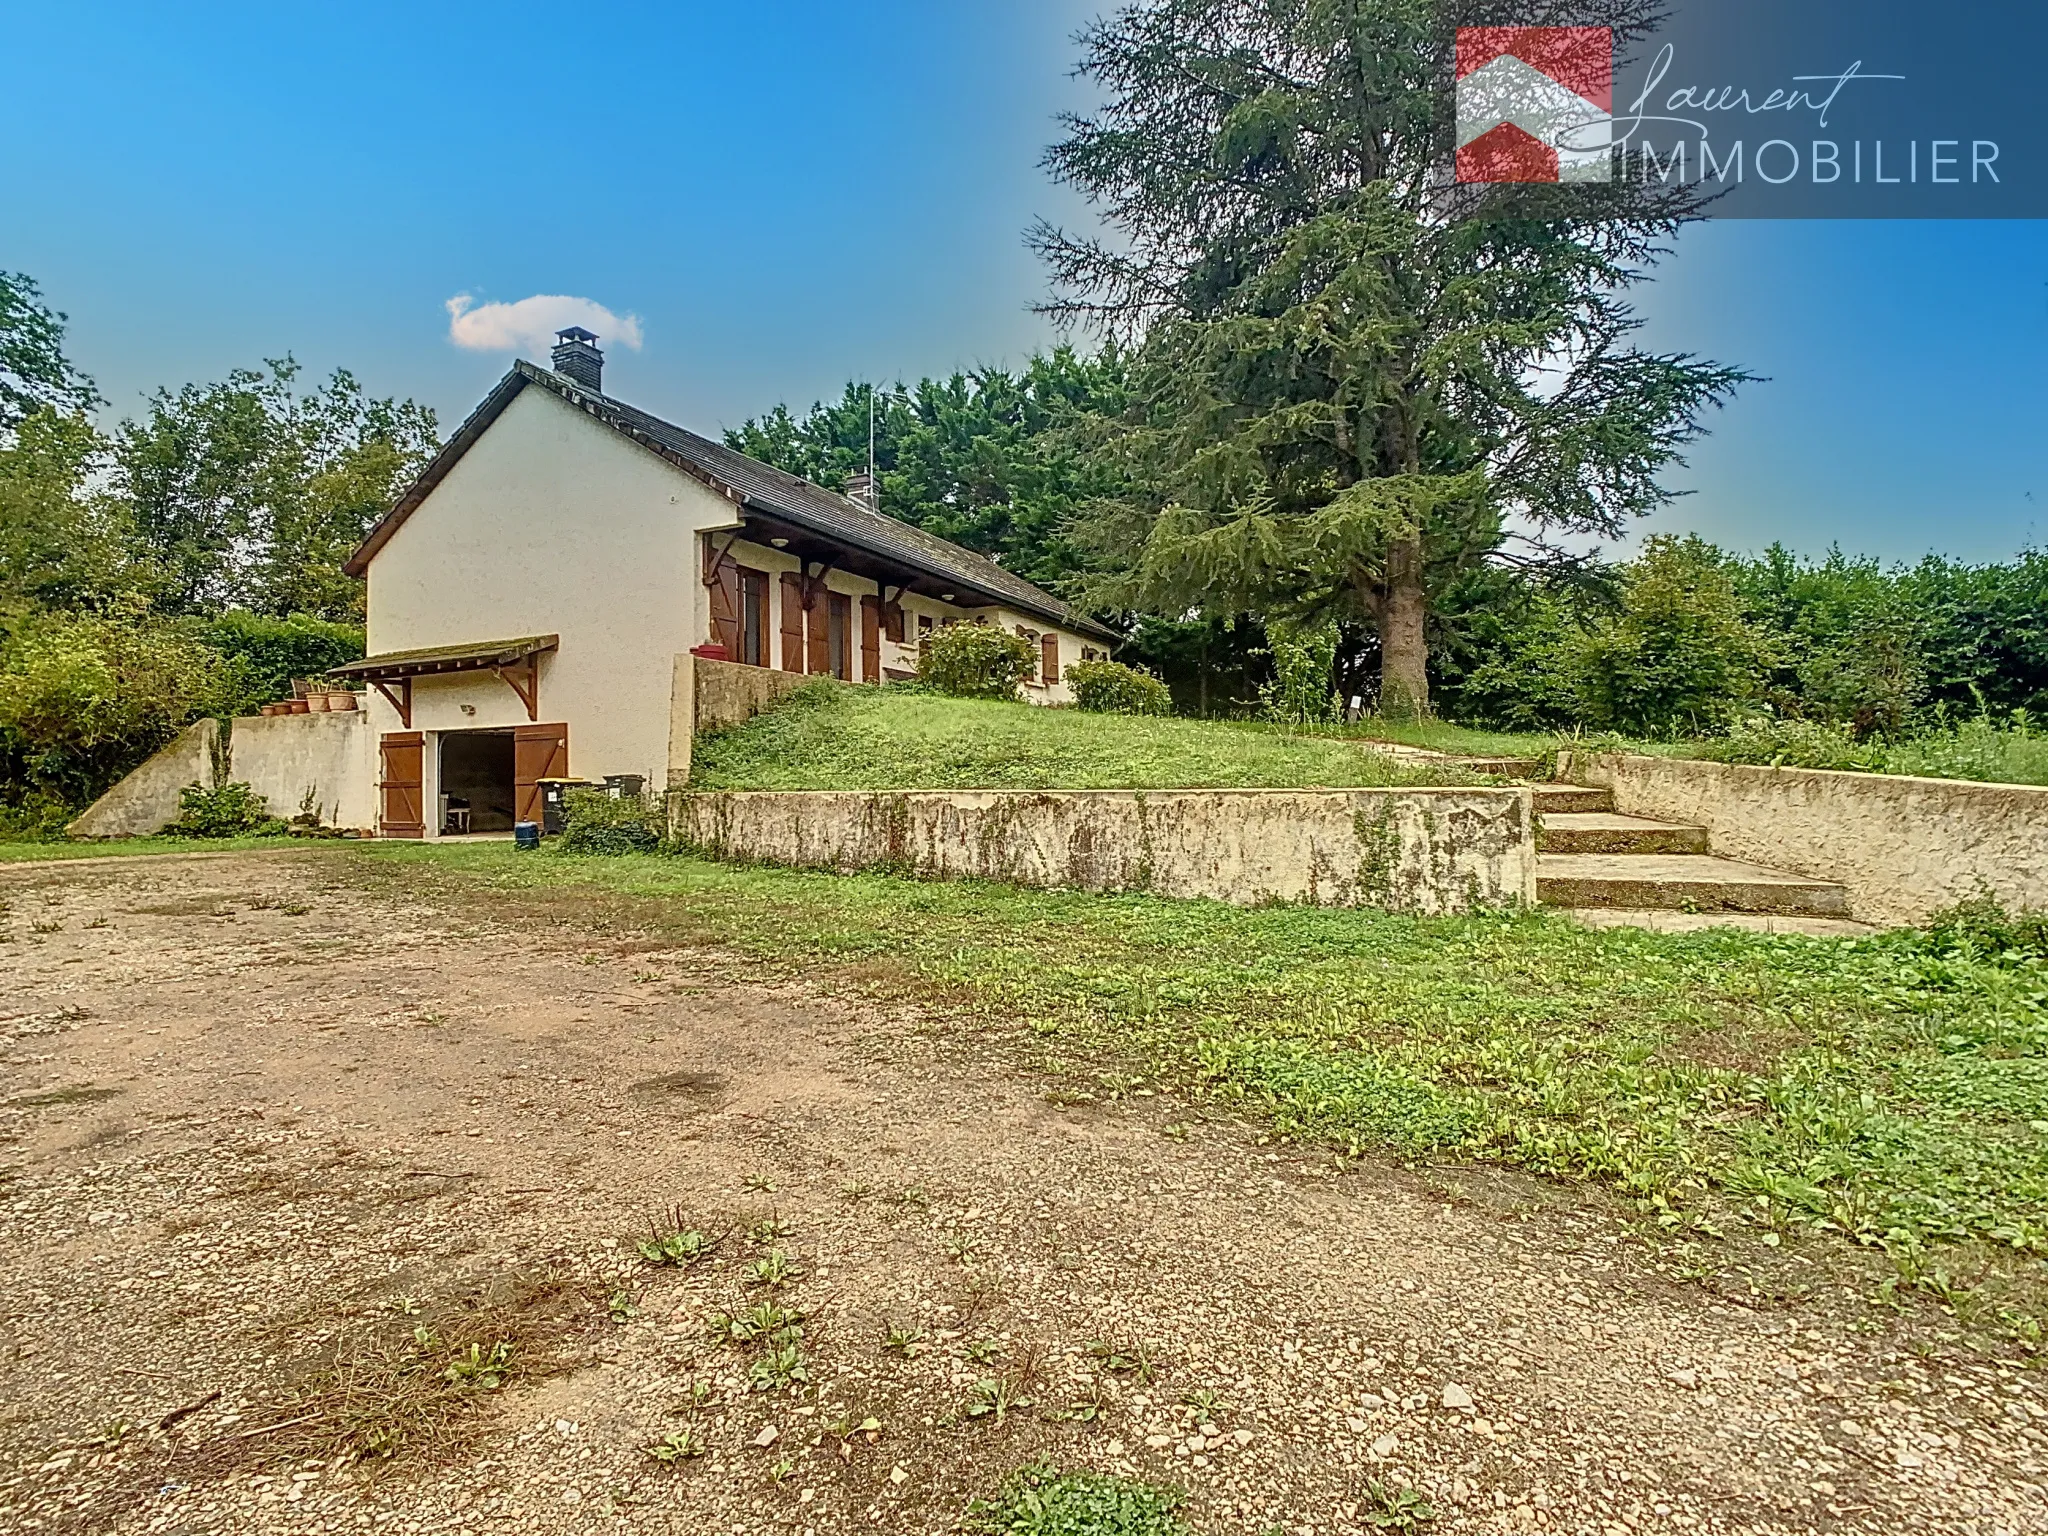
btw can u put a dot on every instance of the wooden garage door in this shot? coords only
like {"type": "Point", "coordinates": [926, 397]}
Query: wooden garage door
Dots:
{"type": "Point", "coordinates": [538, 752]}
{"type": "Point", "coordinates": [401, 787]}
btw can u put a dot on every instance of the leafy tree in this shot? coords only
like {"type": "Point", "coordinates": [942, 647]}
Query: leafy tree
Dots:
{"type": "Point", "coordinates": [1351, 376]}
{"type": "Point", "coordinates": [992, 460]}
{"type": "Point", "coordinates": [247, 493]}
{"type": "Point", "coordinates": [35, 374]}
{"type": "Point", "coordinates": [63, 542]}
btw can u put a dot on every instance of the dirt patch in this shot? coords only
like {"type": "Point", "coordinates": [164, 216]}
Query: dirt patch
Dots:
{"type": "Point", "coordinates": [888, 1267]}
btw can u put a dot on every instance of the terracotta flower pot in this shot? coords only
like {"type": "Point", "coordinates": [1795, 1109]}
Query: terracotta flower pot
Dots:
{"type": "Point", "coordinates": [299, 707]}
{"type": "Point", "coordinates": [340, 699]}
{"type": "Point", "coordinates": [316, 702]}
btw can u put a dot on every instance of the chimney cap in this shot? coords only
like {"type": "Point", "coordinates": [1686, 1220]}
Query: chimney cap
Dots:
{"type": "Point", "coordinates": [575, 333]}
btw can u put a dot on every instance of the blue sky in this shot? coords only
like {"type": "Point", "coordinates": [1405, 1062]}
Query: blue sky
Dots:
{"type": "Point", "coordinates": [793, 193]}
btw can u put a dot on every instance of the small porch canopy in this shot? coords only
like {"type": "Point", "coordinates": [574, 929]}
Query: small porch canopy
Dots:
{"type": "Point", "coordinates": [515, 661]}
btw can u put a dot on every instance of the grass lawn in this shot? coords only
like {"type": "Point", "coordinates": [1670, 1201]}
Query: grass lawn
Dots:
{"type": "Point", "coordinates": [1887, 1092]}
{"type": "Point", "coordinates": [29, 853]}
{"type": "Point", "coordinates": [1442, 736]}
{"type": "Point", "coordinates": [829, 736]}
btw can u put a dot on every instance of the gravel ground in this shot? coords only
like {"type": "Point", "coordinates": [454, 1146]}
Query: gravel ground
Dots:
{"type": "Point", "coordinates": [265, 1115]}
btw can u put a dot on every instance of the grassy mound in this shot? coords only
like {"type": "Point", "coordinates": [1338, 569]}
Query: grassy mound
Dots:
{"type": "Point", "coordinates": [829, 736]}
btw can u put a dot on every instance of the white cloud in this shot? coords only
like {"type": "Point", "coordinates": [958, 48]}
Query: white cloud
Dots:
{"type": "Point", "coordinates": [529, 325]}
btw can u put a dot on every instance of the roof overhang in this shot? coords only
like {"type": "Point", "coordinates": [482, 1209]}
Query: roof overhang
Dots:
{"type": "Point", "coordinates": [433, 661]}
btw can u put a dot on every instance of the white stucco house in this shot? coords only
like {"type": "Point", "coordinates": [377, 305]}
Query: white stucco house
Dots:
{"type": "Point", "coordinates": [536, 598]}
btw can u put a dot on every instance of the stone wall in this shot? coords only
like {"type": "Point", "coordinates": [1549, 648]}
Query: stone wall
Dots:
{"type": "Point", "coordinates": [729, 693]}
{"type": "Point", "coordinates": [1405, 850]}
{"type": "Point", "coordinates": [1905, 848]}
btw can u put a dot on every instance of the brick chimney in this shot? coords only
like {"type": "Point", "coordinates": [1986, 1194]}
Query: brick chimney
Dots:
{"type": "Point", "coordinates": [860, 487]}
{"type": "Point", "coordinates": [577, 359]}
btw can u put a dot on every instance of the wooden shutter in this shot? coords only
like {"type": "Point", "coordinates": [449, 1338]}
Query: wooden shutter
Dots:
{"type": "Point", "coordinates": [871, 639]}
{"type": "Point", "coordinates": [892, 622]}
{"type": "Point", "coordinates": [819, 624]}
{"type": "Point", "coordinates": [792, 622]}
{"type": "Point", "coordinates": [402, 786]}
{"type": "Point", "coordinates": [1049, 652]}
{"type": "Point", "coordinates": [722, 581]}
{"type": "Point", "coordinates": [538, 752]}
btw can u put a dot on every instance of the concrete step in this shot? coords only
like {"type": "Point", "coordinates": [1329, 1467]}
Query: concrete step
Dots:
{"type": "Point", "coordinates": [1501, 767]}
{"type": "Point", "coordinates": [1693, 922]}
{"type": "Point", "coordinates": [1570, 800]}
{"type": "Point", "coordinates": [1609, 832]}
{"type": "Point", "coordinates": [1691, 882]}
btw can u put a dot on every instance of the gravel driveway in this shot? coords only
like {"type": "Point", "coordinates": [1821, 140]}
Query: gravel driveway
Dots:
{"type": "Point", "coordinates": [323, 1188]}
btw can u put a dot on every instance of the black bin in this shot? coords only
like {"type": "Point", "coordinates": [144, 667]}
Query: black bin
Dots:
{"type": "Point", "coordinates": [554, 803]}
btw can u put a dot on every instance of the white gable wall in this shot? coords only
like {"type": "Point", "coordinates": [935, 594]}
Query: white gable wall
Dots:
{"type": "Point", "coordinates": [552, 523]}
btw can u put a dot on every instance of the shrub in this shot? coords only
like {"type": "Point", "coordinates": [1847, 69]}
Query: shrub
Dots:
{"type": "Point", "coordinates": [1680, 656]}
{"type": "Point", "coordinates": [84, 698]}
{"type": "Point", "coordinates": [1111, 688]}
{"type": "Point", "coordinates": [2013, 752]}
{"type": "Point", "coordinates": [223, 810]}
{"type": "Point", "coordinates": [1769, 743]}
{"type": "Point", "coordinates": [1040, 1501]}
{"type": "Point", "coordinates": [1983, 929]}
{"type": "Point", "coordinates": [978, 661]}
{"type": "Point", "coordinates": [265, 654]}
{"type": "Point", "coordinates": [37, 819]}
{"type": "Point", "coordinates": [596, 823]}
{"type": "Point", "coordinates": [1303, 688]}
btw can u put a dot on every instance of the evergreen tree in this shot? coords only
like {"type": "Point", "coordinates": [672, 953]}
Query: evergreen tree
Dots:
{"type": "Point", "coordinates": [1353, 376]}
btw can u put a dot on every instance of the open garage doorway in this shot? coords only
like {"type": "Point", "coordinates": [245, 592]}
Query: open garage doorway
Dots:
{"type": "Point", "coordinates": [478, 788]}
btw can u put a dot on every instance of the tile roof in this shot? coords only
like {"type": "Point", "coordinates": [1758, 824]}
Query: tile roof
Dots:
{"type": "Point", "coordinates": [749, 483]}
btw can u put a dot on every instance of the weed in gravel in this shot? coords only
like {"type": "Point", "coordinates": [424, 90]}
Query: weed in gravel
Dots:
{"type": "Point", "coordinates": [1205, 1402]}
{"type": "Point", "coordinates": [761, 1322]}
{"type": "Point", "coordinates": [1133, 1360]}
{"type": "Point", "coordinates": [678, 1445]}
{"type": "Point", "coordinates": [962, 1247]}
{"type": "Point", "coordinates": [781, 1365]}
{"type": "Point", "coordinates": [679, 1248]}
{"type": "Point", "coordinates": [380, 1395]}
{"type": "Point", "coordinates": [622, 1305]}
{"type": "Point", "coordinates": [980, 1351]}
{"type": "Point", "coordinates": [772, 1269]}
{"type": "Point", "coordinates": [1391, 1508]}
{"type": "Point", "coordinates": [904, 1340]}
{"type": "Point", "coordinates": [995, 1398]}
{"type": "Point", "coordinates": [760, 1183]}
{"type": "Point", "coordinates": [56, 1096]}
{"type": "Point", "coordinates": [1040, 1500]}
{"type": "Point", "coordinates": [768, 1229]}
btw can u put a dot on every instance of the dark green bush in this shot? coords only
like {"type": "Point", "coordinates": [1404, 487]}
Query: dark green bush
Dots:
{"type": "Point", "coordinates": [264, 654]}
{"type": "Point", "coordinates": [1983, 929]}
{"type": "Point", "coordinates": [978, 661]}
{"type": "Point", "coordinates": [596, 823]}
{"type": "Point", "coordinates": [1111, 688]}
{"type": "Point", "coordinates": [223, 810]}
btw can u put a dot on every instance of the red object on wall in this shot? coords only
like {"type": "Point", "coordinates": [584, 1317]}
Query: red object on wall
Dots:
{"type": "Point", "coordinates": [709, 652]}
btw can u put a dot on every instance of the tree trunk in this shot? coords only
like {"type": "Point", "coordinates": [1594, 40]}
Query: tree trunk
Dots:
{"type": "Point", "coordinates": [1404, 649]}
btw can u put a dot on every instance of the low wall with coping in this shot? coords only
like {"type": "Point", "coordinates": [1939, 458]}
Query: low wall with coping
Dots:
{"type": "Point", "coordinates": [327, 761]}
{"type": "Point", "coordinates": [729, 693]}
{"type": "Point", "coordinates": [1904, 847]}
{"type": "Point", "coordinates": [1423, 851]}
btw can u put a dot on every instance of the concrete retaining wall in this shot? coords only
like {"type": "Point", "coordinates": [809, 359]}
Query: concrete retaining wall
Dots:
{"type": "Point", "coordinates": [332, 757]}
{"type": "Point", "coordinates": [1405, 850]}
{"type": "Point", "coordinates": [141, 803]}
{"type": "Point", "coordinates": [729, 693]}
{"type": "Point", "coordinates": [1904, 847]}
{"type": "Point", "coordinates": [281, 757]}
